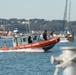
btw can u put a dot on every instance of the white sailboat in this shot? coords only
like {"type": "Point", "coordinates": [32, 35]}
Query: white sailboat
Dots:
{"type": "Point", "coordinates": [67, 36]}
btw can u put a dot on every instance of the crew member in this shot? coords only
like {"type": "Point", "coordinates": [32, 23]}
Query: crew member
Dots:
{"type": "Point", "coordinates": [45, 35]}
{"type": "Point", "coordinates": [29, 39]}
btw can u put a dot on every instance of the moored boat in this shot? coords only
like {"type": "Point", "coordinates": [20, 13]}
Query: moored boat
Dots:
{"type": "Point", "coordinates": [66, 37]}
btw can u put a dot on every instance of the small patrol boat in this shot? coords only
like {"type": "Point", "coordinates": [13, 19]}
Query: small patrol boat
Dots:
{"type": "Point", "coordinates": [21, 44]}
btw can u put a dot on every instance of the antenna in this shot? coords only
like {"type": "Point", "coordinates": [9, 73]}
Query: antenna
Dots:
{"type": "Point", "coordinates": [29, 30]}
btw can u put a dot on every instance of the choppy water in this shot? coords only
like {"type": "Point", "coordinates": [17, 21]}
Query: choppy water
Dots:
{"type": "Point", "coordinates": [29, 63]}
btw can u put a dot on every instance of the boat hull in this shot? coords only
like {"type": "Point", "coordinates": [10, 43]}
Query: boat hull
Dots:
{"type": "Point", "coordinates": [46, 48]}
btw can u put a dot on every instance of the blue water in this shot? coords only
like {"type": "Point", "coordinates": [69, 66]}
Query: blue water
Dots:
{"type": "Point", "coordinates": [29, 63]}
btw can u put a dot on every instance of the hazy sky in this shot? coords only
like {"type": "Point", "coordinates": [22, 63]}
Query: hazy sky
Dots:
{"type": "Point", "coordinates": [30, 9]}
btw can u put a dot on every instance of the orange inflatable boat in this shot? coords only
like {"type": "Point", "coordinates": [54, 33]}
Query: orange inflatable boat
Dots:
{"type": "Point", "coordinates": [45, 45]}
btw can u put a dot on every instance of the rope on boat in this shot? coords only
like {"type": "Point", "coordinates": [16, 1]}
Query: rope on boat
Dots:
{"type": "Point", "coordinates": [64, 64]}
{"type": "Point", "coordinates": [56, 71]}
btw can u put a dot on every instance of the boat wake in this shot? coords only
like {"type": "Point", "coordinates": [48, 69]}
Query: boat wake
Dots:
{"type": "Point", "coordinates": [24, 50]}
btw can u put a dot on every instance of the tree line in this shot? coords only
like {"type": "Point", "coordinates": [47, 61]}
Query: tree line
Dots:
{"type": "Point", "coordinates": [36, 25]}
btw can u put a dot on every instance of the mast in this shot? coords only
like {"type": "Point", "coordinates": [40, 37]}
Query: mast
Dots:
{"type": "Point", "coordinates": [67, 20]}
{"type": "Point", "coordinates": [65, 12]}
{"type": "Point", "coordinates": [68, 24]}
{"type": "Point", "coordinates": [69, 11]}
{"type": "Point", "coordinates": [65, 17]}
